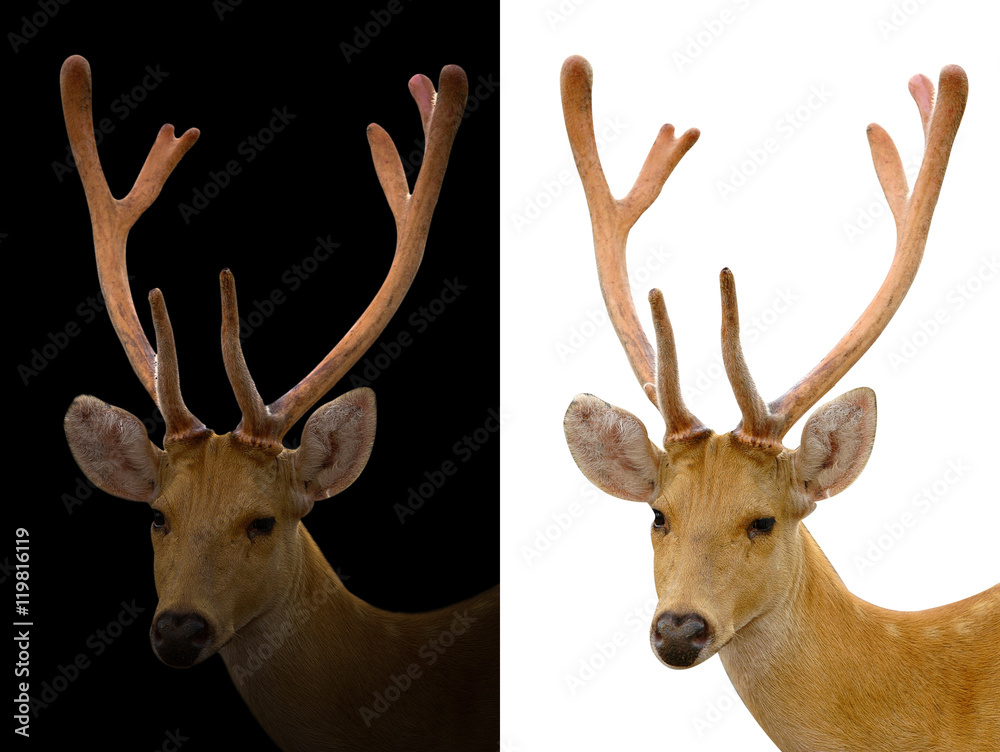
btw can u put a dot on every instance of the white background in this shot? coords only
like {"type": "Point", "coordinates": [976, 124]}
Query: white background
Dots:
{"type": "Point", "coordinates": [782, 232]}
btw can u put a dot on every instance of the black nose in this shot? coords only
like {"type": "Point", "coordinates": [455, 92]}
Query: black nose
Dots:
{"type": "Point", "coordinates": [679, 638]}
{"type": "Point", "coordinates": [178, 638]}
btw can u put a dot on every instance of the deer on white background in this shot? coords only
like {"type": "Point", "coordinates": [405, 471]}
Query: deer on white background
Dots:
{"type": "Point", "coordinates": [736, 571]}
{"type": "Point", "coordinates": [235, 569]}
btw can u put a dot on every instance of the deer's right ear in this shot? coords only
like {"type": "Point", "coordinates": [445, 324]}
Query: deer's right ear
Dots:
{"type": "Point", "coordinates": [336, 444]}
{"type": "Point", "coordinates": [836, 443]}
{"type": "Point", "coordinates": [612, 448]}
{"type": "Point", "coordinates": [112, 448]}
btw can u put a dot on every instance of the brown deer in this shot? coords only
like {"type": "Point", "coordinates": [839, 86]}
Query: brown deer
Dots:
{"type": "Point", "coordinates": [736, 571]}
{"type": "Point", "coordinates": [236, 571]}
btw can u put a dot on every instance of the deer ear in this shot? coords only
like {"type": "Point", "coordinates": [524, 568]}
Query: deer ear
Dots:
{"type": "Point", "coordinates": [336, 444]}
{"type": "Point", "coordinates": [110, 445]}
{"type": "Point", "coordinates": [612, 448]}
{"type": "Point", "coordinates": [836, 443]}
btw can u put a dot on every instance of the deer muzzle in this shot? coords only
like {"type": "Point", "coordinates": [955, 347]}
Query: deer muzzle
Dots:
{"type": "Point", "coordinates": [179, 639]}
{"type": "Point", "coordinates": [678, 639]}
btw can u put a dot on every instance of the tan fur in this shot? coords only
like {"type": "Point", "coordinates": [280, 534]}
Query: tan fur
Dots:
{"type": "Point", "coordinates": [820, 669]}
{"type": "Point", "coordinates": [824, 670]}
{"type": "Point", "coordinates": [307, 656]}
{"type": "Point", "coordinates": [235, 569]}
{"type": "Point", "coordinates": [452, 705]}
{"type": "Point", "coordinates": [736, 571]}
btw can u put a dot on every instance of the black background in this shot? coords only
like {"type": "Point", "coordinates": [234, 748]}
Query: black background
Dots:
{"type": "Point", "coordinates": [225, 74]}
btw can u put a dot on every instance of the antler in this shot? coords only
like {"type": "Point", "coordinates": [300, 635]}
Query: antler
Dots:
{"type": "Point", "coordinates": [611, 220]}
{"type": "Point", "coordinates": [440, 113]}
{"type": "Point", "coordinates": [912, 212]}
{"type": "Point", "coordinates": [112, 219]}
{"type": "Point", "coordinates": [264, 425]}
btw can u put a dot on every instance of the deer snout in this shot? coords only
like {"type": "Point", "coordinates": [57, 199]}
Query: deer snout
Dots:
{"type": "Point", "coordinates": [178, 639]}
{"type": "Point", "coordinates": [678, 638]}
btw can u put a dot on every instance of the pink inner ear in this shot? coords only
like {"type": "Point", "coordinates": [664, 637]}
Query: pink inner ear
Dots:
{"type": "Point", "coordinates": [836, 443]}
{"type": "Point", "coordinates": [612, 448]}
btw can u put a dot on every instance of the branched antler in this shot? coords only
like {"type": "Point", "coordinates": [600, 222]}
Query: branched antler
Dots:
{"type": "Point", "coordinates": [612, 219]}
{"type": "Point", "coordinates": [762, 424]}
{"type": "Point", "coordinates": [263, 425]}
{"type": "Point", "coordinates": [912, 213]}
{"type": "Point", "coordinates": [440, 114]}
{"type": "Point", "coordinates": [112, 219]}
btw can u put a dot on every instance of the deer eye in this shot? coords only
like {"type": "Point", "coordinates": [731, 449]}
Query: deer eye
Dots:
{"type": "Point", "coordinates": [659, 522]}
{"type": "Point", "coordinates": [260, 526]}
{"type": "Point", "coordinates": [159, 521]}
{"type": "Point", "coordinates": [760, 526]}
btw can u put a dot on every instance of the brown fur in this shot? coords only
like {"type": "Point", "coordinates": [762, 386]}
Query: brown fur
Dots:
{"type": "Point", "coordinates": [820, 669]}
{"type": "Point", "coordinates": [307, 656]}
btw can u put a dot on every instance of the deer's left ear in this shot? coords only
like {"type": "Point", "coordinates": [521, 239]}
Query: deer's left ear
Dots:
{"type": "Point", "coordinates": [612, 448]}
{"type": "Point", "coordinates": [110, 445]}
{"type": "Point", "coordinates": [336, 443]}
{"type": "Point", "coordinates": [836, 443]}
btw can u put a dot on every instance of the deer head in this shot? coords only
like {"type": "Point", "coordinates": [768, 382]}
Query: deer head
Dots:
{"type": "Point", "coordinates": [226, 509]}
{"type": "Point", "coordinates": [727, 508]}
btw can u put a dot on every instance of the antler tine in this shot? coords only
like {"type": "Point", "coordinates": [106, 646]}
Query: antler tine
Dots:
{"type": "Point", "coordinates": [440, 114]}
{"type": "Point", "coordinates": [913, 217]}
{"type": "Point", "coordinates": [257, 421]}
{"type": "Point", "coordinates": [612, 219]}
{"type": "Point", "coordinates": [180, 423]}
{"type": "Point", "coordinates": [681, 424]}
{"type": "Point", "coordinates": [112, 218]}
{"type": "Point", "coordinates": [756, 424]}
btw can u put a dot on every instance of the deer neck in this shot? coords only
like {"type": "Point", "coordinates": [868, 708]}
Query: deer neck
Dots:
{"type": "Point", "coordinates": [794, 663]}
{"type": "Point", "coordinates": [825, 670]}
{"type": "Point", "coordinates": [306, 663]}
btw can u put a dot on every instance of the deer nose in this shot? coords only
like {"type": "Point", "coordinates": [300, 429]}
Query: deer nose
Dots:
{"type": "Point", "coordinates": [679, 638]}
{"type": "Point", "coordinates": [178, 638]}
